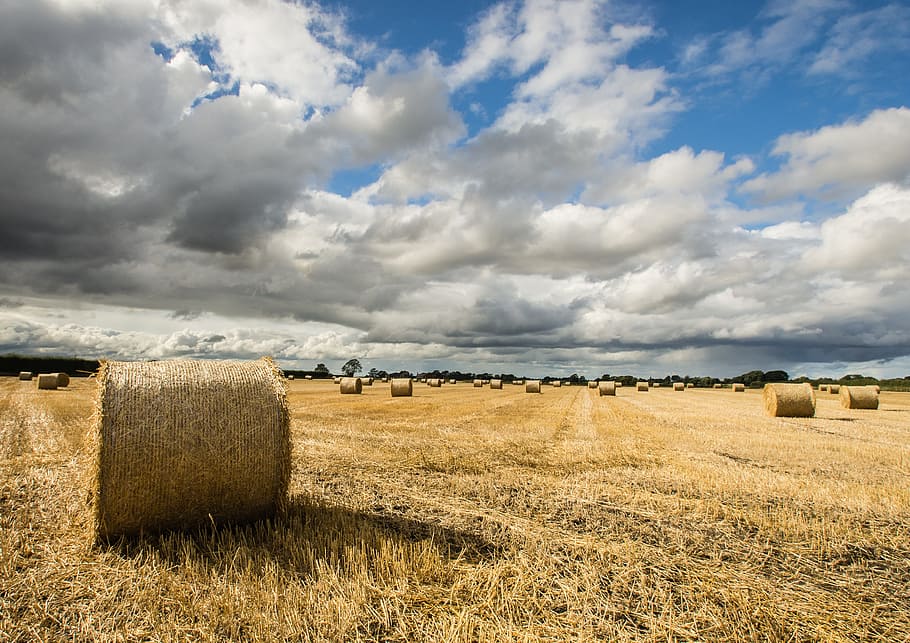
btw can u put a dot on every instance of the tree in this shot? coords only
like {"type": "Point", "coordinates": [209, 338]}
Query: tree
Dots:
{"type": "Point", "coordinates": [321, 369]}
{"type": "Point", "coordinates": [351, 366]}
{"type": "Point", "coordinates": [776, 376]}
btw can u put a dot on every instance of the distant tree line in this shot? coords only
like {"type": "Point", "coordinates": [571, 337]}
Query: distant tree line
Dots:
{"type": "Point", "coordinates": [72, 366]}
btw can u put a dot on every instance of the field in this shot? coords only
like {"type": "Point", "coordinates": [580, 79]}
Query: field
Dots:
{"type": "Point", "coordinates": [465, 514]}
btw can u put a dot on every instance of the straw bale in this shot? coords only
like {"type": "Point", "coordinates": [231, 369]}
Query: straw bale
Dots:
{"type": "Point", "coordinates": [690, 385]}
{"type": "Point", "coordinates": [496, 384]}
{"type": "Point", "coordinates": [26, 375]}
{"type": "Point", "coordinates": [63, 380]}
{"type": "Point", "coordinates": [618, 384]}
{"type": "Point", "coordinates": [453, 381]}
{"type": "Point", "coordinates": [718, 386]}
{"type": "Point", "coordinates": [834, 389]}
{"type": "Point", "coordinates": [789, 400]}
{"type": "Point", "coordinates": [290, 377]}
{"type": "Point", "coordinates": [478, 383]}
{"type": "Point", "coordinates": [368, 381]}
{"type": "Point", "coordinates": [47, 381]}
{"type": "Point", "coordinates": [556, 383]}
{"type": "Point", "coordinates": [859, 397]}
{"type": "Point", "coordinates": [435, 382]}
{"type": "Point", "coordinates": [182, 444]}
{"type": "Point", "coordinates": [606, 388]}
{"type": "Point", "coordinates": [655, 385]}
{"type": "Point", "coordinates": [532, 386]}
{"type": "Point", "coordinates": [402, 387]}
{"type": "Point", "coordinates": [823, 388]}
{"type": "Point", "coordinates": [592, 384]}
{"type": "Point", "coordinates": [642, 386]}
{"type": "Point", "coordinates": [336, 380]}
{"type": "Point", "coordinates": [351, 385]}
{"type": "Point", "coordinates": [738, 387]}
{"type": "Point", "coordinates": [679, 386]}
{"type": "Point", "coordinates": [307, 377]}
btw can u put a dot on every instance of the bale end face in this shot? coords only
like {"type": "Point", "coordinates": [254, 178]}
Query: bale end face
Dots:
{"type": "Point", "coordinates": [47, 381]}
{"type": "Point", "coordinates": [789, 400]}
{"type": "Point", "coordinates": [181, 444]}
{"type": "Point", "coordinates": [859, 397]}
{"type": "Point", "coordinates": [63, 380]}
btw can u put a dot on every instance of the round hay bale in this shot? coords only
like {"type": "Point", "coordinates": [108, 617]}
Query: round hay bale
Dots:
{"type": "Point", "coordinates": [453, 381]}
{"type": "Point", "coordinates": [834, 389]}
{"type": "Point", "coordinates": [402, 387]}
{"type": "Point", "coordinates": [532, 386]}
{"type": "Point", "coordinates": [556, 383]}
{"type": "Point", "coordinates": [592, 384]}
{"type": "Point", "coordinates": [858, 397]}
{"type": "Point", "coordinates": [478, 383]}
{"type": "Point", "coordinates": [823, 388]}
{"type": "Point", "coordinates": [181, 444]}
{"type": "Point", "coordinates": [718, 386]}
{"type": "Point", "coordinates": [435, 382]}
{"type": "Point", "coordinates": [606, 388]}
{"type": "Point", "coordinates": [789, 400]}
{"type": "Point", "coordinates": [679, 386]}
{"type": "Point", "coordinates": [384, 380]}
{"type": "Point", "coordinates": [738, 387]}
{"type": "Point", "coordinates": [423, 380]}
{"type": "Point", "coordinates": [290, 377]}
{"type": "Point", "coordinates": [47, 381]}
{"type": "Point", "coordinates": [618, 384]}
{"type": "Point", "coordinates": [690, 385]}
{"type": "Point", "coordinates": [496, 384]}
{"type": "Point", "coordinates": [307, 377]}
{"type": "Point", "coordinates": [368, 381]}
{"type": "Point", "coordinates": [655, 385]}
{"type": "Point", "coordinates": [336, 380]}
{"type": "Point", "coordinates": [351, 386]}
{"type": "Point", "coordinates": [642, 386]}
{"type": "Point", "coordinates": [26, 376]}
{"type": "Point", "coordinates": [63, 380]}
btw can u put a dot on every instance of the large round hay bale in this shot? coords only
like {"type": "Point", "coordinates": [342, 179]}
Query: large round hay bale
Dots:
{"type": "Point", "coordinates": [435, 382]}
{"type": "Point", "coordinates": [655, 385]}
{"type": "Point", "coordinates": [690, 385]}
{"type": "Point", "coordinates": [789, 400]}
{"type": "Point", "coordinates": [402, 387]}
{"type": "Point", "coordinates": [823, 388]}
{"type": "Point", "coordinates": [858, 397]}
{"type": "Point", "coordinates": [63, 380]}
{"type": "Point", "coordinates": [496, 384]}
{"type": "Point", "coordinates": [679, 386]}
{"type": "Point", "coordinates": [368, 381]}
{"type": "Point", "coordinates": [738, 387]}
{"type": "Point", "coordinates": [291, 376]}
{"type": "Point", "coordinates": [834, 389]}
{"type": "Point", "coordinates": [718, 386]}
{"type": "Point", "coordinates": [181, 444]}
{"type": "Point", "coordinates": [606, 388]}
{"type": "Point", "coordinates": [532, 386]}
{"type": "Point", "coordinates": [642, 386]}
{"type": "Point", "coordinates": [478, 383]}
{"type": "Point", "coordinates": [592, 384]}
{"type": "Point", "coordinates": [26, 375]}
{"type": "Point", "coordinates": [351, 386]}
{"type": "Point", "coordinates": [453, 381]}
{"type": "Point", "coordinates": [47, 381]}
{"type": "Point", "coordinates": [556, 383]}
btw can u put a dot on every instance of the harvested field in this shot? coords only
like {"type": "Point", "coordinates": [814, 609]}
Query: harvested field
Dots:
{"type": "Point", "coordinates": [465, 514]}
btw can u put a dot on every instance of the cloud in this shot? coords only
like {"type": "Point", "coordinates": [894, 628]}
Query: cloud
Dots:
{"type": "Point", "coordinates": [856, 38]}
{"type": "Point", "coordinates": [839, 160]}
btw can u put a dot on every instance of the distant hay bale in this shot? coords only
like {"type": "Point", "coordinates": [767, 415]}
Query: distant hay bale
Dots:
{"type": "Point", "coordinates": [307, 377]}
{"type": "Point", "coordinates": [336, 380]}
{"type": "Point", "coordinates": [351, 385]}
{"type": "Point", "coordinates": [655, 385]}
{"type": "Point", "coordinates": [384, 380]}
{"type": "Point", "coordinates": [789, 400]}
{"type": "Point", "coordinates": [679, 386]}
{"type": "Point", "coordinates": [690, 385]}
{"type": "Point", "coordinates": [592, 384]}
{"type": "Point", "coordinates": [47, 381]}
{"type": "Point", "coordinates": [606, 388]}
{"type": "Point", "coordinates": [434, 382]}
{"type": "Point", "coordinates": [290, 377]}
{"type": "Point", "coordinates": [519, 382]}
{"type": "Point", "coordinates": [557, 383]}
{"type": "Point", "coordinates": [642, 386]}
{"type": "Point", "coordinates": [63, 380]}
{"type": "Point", "coordinates": [182, 444]}
{"type": "Point", "coordinates": [485, 382]}
{"type": "Point", "coordinates": [368, 381]}
{"type": "Point", "coordinates": [532, 386]}
{"type": "Point", "coordinates": [834, 389]}
{"type": "Point", "coordinates": [26, 375]}
{"type": "Point", "coordinates": [823, 388]}
{"type": "Point", "coordinates": [859, 397]}
{"type": "Point", "coordinates": [496, 384]}
{"type": "Point", "coordinates": [738, 387]}
{"type": "Point", "coordinates": [423, 380]}
{"type": "Point", "coordinates": [718, 386]}
{"type": "Point", "coordinates": [402, 387]}
{"type": "Point", "coordinates": [453, 381]}
{"type": "Point", "coordinates": [478, 383]}
{"type": "Point", "coordinates": [618, 384]}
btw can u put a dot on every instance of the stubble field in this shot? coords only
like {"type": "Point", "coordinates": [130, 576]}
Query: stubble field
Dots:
{"type": "Point", "coordinates": [465, 514]}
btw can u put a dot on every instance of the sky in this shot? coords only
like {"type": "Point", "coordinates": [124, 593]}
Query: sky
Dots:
{"type": "Point", "coordinates": [531, 187]}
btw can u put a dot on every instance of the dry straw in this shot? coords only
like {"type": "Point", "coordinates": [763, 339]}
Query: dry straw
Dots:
{"type": "Point", "coordinates": [402, 387]}
{"type": "Point", "coordinates": [679, 386]}
{"type": "Point", "coordinates": [738, 387]}
{"type": "Point", "coordinates": [834, 389]}
{"type": "Point", "coordinates": [532, 386]}
{"type": "Point", "coordinates": [496, 384]}
{"type": "Point", "coordinates": [47, 381]}
{"type": "Point", "coordinates": [642, 386]}
{"type": "Point", "coordinates": [26, 375]}
{"type": "Point", "coordinates": [434, 382]}
{"type": "Point", "coordinates": [180, 444]}
{"type": "Point", "coordinates": [606, 388]}
{"type": "Point", "coordinates": [789, 400]}
{"type": "Point", "coordinates": [351, 386]}
{"type": "Point", "coordinates": [478, 383]}
{"type": "Point", "coordinates": [859, 397]}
